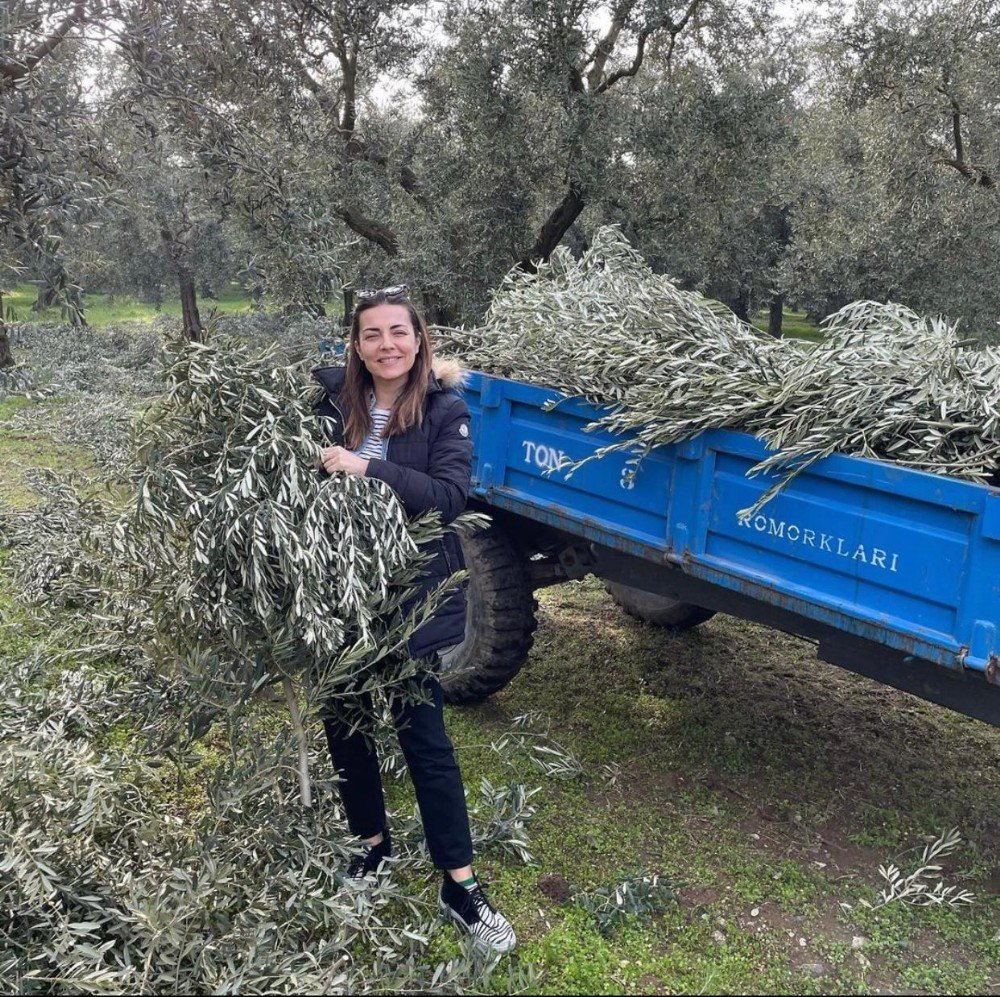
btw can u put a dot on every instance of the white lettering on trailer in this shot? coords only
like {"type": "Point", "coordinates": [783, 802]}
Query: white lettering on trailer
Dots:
{"type": "Point", "coordinates": [549, 460]}
{"type": "Point", "coordinates": [797, 534]}
{"type": "Point", "coordinates": [543, 457]}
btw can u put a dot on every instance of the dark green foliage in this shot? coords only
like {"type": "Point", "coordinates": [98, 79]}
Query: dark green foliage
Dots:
{"type": "Point", "coordinates": [640, 895]}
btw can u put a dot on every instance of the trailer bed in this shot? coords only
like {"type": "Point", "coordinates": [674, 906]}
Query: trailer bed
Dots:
{"type": "Point", "coordinates": [907, 560]}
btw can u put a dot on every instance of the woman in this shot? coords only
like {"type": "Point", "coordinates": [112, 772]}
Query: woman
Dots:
{"type": "Point", "coordinates": [398, 418]}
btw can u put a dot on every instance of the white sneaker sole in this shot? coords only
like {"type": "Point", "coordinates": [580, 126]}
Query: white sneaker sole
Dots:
{"type": "Point", "coordinates": [480, 944]}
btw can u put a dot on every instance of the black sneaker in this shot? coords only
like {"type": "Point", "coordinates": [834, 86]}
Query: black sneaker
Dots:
{"type": "Point", "coordinates": [367, 861]}
{"type": "Point", "coordinates": [472, 912]}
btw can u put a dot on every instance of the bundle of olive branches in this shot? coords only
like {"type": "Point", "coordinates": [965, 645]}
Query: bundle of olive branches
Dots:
{"type": "Point", "coordinates": [137, 858]}
{"type": "Point", "coordinates": [115, 877]}
{"type": "Point", "coordinates": [242, 565]}
{"type": "Point", "coordinates": [237, 564]}
{"type": "Point", "coordinates": [670, 363]}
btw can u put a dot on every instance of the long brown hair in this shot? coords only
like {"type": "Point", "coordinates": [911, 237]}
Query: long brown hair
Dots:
{"type": "Point", "coordinates": [408, 409]}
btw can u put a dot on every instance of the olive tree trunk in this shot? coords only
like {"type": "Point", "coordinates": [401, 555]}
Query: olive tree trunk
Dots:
{"type": "Point", "coordinates": [193, 328]}
{"type": "Point", "coordinates": [554, 228]}
{"type": "Point", "coordinates": [177, 254]}
{"type": "Point", "coordinates": [775, 315]}
{"type": "Point", "coordinates": [6, 356]}
{"type": "Point", "coordinates": [741, 303]}
{"type": "Point", "coordinates": [45, 299]}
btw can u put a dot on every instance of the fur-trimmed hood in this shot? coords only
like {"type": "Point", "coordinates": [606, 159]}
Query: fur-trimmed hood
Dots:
{"type": "Point", "coordinates": [450, 373]}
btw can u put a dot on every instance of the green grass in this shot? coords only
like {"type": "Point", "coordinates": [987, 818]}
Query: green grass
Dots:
{"type": "Point", "coordinates": [794, 325]}
{"type": "Point", "coordinates": [102, 309]}
{"type": "Point", "coordinates": [747, 769]}
{"type": "Point", "coordinates": [767, 785]}
{"type": "Point", "coordinates": [21, 452]}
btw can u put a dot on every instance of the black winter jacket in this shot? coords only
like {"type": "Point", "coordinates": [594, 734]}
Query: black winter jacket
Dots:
{"type": "Point", "coordinates": [429, 467]}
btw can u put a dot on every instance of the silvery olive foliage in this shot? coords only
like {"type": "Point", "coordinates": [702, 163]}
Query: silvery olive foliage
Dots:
{"type": "Point", "coordinates": [251, 565]}
{"type": "Point", "coordinates": [123, 871]}
{"type": "Point", "coordinates": [641, 896]}
{"type": "Point", "coordinates": [101, 377]}
{"type": "Point", "coordinates": [97, 377]}
{"type": "Point", "coordinates": [14, 380]}
{"type": "Point", "coordinates": [298, 334]}
{"type": "Point", "coordinates": [151, 833]}
{"type": "Point", "coordinates": [56, 547]}
{"type": "Point", "coordinates": [892, 385]}
{"type": "Point", "coordinates": [885, 382]}
{"type": "Point", "coordinates": [919, 888]}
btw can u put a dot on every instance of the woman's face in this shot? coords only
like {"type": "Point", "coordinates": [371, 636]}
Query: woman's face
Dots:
{"type": "Point", "coordinates": [388, 345]}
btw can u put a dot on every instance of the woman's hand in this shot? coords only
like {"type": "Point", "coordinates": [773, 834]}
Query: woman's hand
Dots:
{"type": "Point", "coordinates": [339, 459]}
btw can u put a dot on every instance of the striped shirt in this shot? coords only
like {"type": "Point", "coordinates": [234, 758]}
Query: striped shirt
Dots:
{"type": "Point", "coordinates": [374, 444]}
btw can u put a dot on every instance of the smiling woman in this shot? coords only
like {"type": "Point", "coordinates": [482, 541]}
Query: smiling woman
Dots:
{"type": "Point", "coordinates": [388, 345]}
{"type": "Point", "coordinates": [397, 417]}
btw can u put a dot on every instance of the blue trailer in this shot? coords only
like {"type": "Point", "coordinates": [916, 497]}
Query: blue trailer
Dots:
{"type": "Point", "coordinates": [894, 573]}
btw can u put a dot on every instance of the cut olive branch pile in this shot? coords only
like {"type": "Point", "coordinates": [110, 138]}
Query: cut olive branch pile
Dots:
{"type": "Point", "coordinates": [262, 552]}
{"type": "Point", "coordinates": [884, 383]}
{"type": "Point", "coordinates": [238, 565]}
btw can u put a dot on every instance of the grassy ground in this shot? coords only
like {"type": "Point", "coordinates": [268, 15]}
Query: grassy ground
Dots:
{"type": "Point", "coordinates": [794, 325]}
{"type": "Point", "coordinates": [766, 784]}
{"type": "Point", "coordinates": [102, 309]}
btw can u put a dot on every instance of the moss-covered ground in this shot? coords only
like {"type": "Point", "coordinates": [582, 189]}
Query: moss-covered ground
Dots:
{"type": "Point", "coordinates": [766, 784]}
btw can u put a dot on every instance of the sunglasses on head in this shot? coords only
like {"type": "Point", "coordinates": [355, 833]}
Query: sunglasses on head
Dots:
{"type": "Point", "coordinates": [395, 291]}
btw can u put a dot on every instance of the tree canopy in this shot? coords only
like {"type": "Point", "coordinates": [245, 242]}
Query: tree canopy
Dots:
{"type": "Point", "coordinates": [308, 149]}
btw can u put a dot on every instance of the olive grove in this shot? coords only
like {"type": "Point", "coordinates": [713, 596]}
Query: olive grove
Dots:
{"type": "Point", "coordinates": [850, 153]}
{"type": "Point", "coordinates": [182, 592]}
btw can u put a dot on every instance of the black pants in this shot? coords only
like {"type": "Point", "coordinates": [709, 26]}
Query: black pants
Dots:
{"type": "Point", "coordinates": [430, 759]}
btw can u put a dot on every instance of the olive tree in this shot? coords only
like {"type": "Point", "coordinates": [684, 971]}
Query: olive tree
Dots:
{"type": "Point", "coordinates": [166, 212]}
{"type": "Point", "coordinates": [43, 143]}
{"type": "Point", "coordinates": [902, 145]}
{"type": "Point", "coordinates": [706, 177]}
{"type": "Point", "coordinates": [268, 96]}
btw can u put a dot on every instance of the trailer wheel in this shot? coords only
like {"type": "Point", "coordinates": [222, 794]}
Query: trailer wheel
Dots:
{"type": "Point", "coordinates": [500, 626]}
{"type": "Point", "coordinates": [657, 609]}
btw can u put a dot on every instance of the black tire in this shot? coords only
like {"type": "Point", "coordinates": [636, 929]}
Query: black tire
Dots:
{"type": "Point", "coordinates": [657, 609]}
{"type": "Point", "coordinates": [500, 626]}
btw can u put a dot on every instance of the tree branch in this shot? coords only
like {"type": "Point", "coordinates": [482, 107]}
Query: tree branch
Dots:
{"type": "Point", "coordinates": [974, 174]}
{"type": "Point", "coordinates": [301, 742]}
{"type": "Point", "coordinates": [18, 69]}
{"type": "Point", "coordinates": [555, 227]}
{"type": "Point", "coordinates": [606, 45]}
{"type": "Point", "coordinates": [644, 35]}
{"type": "Point", "coordinates": [956, 129]}
{"type": "Point", "coordinates": [640, 54]}
{"type": "Point", "coordinates": [370, 229]}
